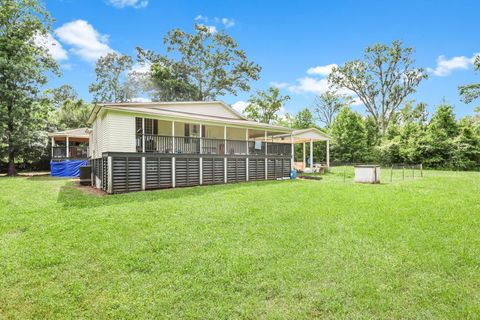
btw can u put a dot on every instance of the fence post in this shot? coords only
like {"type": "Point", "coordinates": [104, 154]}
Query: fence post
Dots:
{"type": "Point", "coordinates": [344, 173]}
{"type": "Point", "coordinates": [403, 172]}
{"type": "Point", "coordinates": [144, 174]}
{"type": "Point", "coordinates": [225, 172]}
{"type": "Point", "coordinates": [201, 171]}
{"type": "Point", "coordinates": [413, 172]}
{"type": "Point", "coordinates": [173, 172]}
{"type": "Point", "coordinates": [110, 175]}
{"type": "Point", "coordinates": [143, 135]}
{"type": "Point", "coordinates": [421, 170]}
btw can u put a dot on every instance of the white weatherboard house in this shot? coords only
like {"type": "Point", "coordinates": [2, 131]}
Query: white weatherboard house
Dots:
{"type": "Point", "coordinates": [141, 146]}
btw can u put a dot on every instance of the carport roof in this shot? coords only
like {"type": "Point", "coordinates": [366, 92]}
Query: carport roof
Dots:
{"type": "Point", "coordinates": [304, 135]}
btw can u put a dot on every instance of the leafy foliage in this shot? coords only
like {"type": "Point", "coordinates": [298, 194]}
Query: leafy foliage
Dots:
{"type": "Point", "coordinates": [350, 137]}
{"type": "Point", "coordinates": [327, 105]}
{"type": "Point", "coordinates": [112, 82]}
{"type": "Point", "coordinates": [73, 114]}
{"type": "Point", "coordinates": [23, 64]}
{"type": "Point", "coordinates": [471, 92]}
{"type": "Point", "coordinates": [165, 80]}
{"type": "Point", "coordinates": [58, 95]}
{"type": "Point", "coordinates": [382, 81]}
{"type": "Point", "coordinates": [210, 62]}
{"type": "Point", "coordinates": [265, 105]}
{"type": "Point", "coordinates": [304, 119]}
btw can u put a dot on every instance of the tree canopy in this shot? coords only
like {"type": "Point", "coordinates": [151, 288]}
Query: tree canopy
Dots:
{"type": "Point", "coordinates": [264, 106]}
{"type": "Point", "coordinates": [382, 81]}
{"type": "Point", "coordinates": [327, 105]}
{"type": "Point", "coordinates": [471, 92]}
{"type": "Point", "coordinates": [350, 137]}
{"type": "Point", "coordinates": [112, 81]}
{"type": "Point", "coordinates": [23, 64]}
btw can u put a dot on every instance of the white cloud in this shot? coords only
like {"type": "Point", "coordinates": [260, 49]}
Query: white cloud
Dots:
{"type": "Point", "coordinates": [86, 42]}
{"type": "Point", "coordinates": [228, 23]}
{"type": "Point", "coordinates": [240, 106]}
{"type": "Point", "coordinates": [129, 3]}
{"type": "Point", "coordinates": [213, 23]}
{"type": "Point", "coordinates": [279, 85]}
{"type": "Point", "coordinates": [322, 70]}
{"type": "Point", "coordinates": [52, 46]}
{"type": "Point", "coordinates": [316, 86]}
{"type": "Point", "coordinates": [141, 67]}
{"type": "Point", "coordinates": [310, 85]}
{"type": "Point", "coordinates": [446, 66]}
{"type": "Point", "coordinates": [212, 29]}
{"type": "Point", "coordinates": [66, 66]}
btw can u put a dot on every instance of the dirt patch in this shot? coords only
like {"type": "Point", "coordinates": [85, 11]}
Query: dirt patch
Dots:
{"type": "Point", "coordinates": [29, 174]}
{"type": "Point", "coordinates": [310, 177]}
{"type": "Point", "coordinates": [88, 189]}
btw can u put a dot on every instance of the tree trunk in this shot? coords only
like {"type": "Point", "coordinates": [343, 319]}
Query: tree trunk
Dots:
{"type": "Point", "coordinates": [383, 126]}
{"type": "Point", "coordinates": [11, 152]}
{"type": "Point", "coordinates": [11, 163]}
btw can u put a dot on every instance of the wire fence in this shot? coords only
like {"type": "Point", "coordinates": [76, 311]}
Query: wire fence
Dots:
{"type": "Point", "coordinates": [388, 172]}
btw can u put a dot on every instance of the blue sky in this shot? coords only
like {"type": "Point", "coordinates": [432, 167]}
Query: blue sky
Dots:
{"type": "Point", "coordinates": [287, 38]}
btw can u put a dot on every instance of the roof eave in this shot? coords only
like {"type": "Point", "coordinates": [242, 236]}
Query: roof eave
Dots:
{"type": "Point", "coordinates": [257, 124]}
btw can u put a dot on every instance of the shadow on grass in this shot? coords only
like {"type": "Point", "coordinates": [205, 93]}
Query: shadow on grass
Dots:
{"type": "Point", "coordinates": [72, 196]}
{"type": "Point", "coordinates": [47, 178]}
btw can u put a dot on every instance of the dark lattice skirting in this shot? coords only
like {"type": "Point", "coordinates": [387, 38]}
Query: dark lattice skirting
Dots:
{"type": "Point", "coordinates": [137, 171]}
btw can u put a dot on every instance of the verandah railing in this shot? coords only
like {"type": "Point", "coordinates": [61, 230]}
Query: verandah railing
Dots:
{"type": "Point", "coordinates": [75, 152]}
{"type": "Point", "coordinates": [196, 145]}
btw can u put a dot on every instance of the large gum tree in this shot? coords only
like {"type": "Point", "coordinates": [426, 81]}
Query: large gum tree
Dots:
{"type": "Point", "coordinates": [23, 67]}
{"type": "Point", "coordinates": [382, 80]}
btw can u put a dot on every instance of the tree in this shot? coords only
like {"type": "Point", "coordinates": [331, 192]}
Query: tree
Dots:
{"type": "Point", "coordinates": [265, 105]}
{"type": "Point", "coordinates": [210, 62]}
{"type": "Point", "coordinates": [373, 132]}
{"type": "Point", "coordinates": [471, 92]}
{"type": "Point", "coordinates": [382, 81]}
{"type": "Point", "coordinates": [303, 119]}
{"type": "Point", "coordinates": [466, 155]}
{"type": "Point", "coordinates": [73, 114]}
{"type": "Point", "coordinates": [437, 144]}
{"type": "Point", "coordinates": [112, 82]}
{"type": "Point", "coordinates": [350, 137]}
{"type": "Point", "coordinates": [23, 64]}
{"type": "Point", "coordinates": [58, 95]}
{"type": "Point", "coordinates": [165, 80]}
{"type": "Point", "coordinates": [328, 104]}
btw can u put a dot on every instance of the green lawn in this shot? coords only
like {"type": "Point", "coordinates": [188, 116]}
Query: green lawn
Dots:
{"type": "Point", "coordinates": [286, 249]}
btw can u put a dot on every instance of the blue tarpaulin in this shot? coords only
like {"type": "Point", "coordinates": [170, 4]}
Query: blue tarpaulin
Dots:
{"type": "Point", "coordinates": [66, 168]}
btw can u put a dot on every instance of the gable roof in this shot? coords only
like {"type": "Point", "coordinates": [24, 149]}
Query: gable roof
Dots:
{"type": "Point", "coordinates": [187, 111]}
{"type": "Point", "coordinates": [305, 135]}
{"type": "Point", "coordinates": [77, 133]}
{"type": "Point", "coordinates": [206, 108]}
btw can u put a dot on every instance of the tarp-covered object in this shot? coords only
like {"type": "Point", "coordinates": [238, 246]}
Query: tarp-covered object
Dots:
{"type": "Point", "coordinates": [66, 168]}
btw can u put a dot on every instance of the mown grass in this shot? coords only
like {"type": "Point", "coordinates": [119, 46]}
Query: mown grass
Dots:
{"type": "Point", "coordinates": [286, 249]}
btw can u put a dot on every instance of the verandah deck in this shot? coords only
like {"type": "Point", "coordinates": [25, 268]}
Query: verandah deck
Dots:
{"type": "Point", "coordinates": [127, 172]}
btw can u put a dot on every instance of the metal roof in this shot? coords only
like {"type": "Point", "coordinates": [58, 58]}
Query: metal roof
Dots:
{"type": "Point", "coordinates": [77, 133]}
{"type": "Point", "coordinates": [155, 108]}
{"type": "Point", "coordinates": [305, 135]}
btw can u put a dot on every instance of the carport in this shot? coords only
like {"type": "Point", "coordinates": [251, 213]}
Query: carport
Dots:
{"type": "Point", "coordinates": [305, 136]}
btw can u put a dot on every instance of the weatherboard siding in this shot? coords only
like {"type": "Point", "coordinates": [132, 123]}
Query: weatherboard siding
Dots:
{"type": "Point", "coordinates": [120, 132]}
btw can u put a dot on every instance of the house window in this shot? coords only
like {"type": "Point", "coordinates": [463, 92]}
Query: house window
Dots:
{"type": "Point", "coordinates": [191, 130]}
{"type": "Point", "coordinates": [148, 126]}
{"type": "Point", "coordinates": [151, 126]}
{"type": "Point", "coordinates": [138, 125]}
